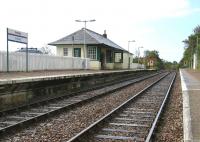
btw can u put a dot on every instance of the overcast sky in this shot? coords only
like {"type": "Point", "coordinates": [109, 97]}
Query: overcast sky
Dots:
{"type": "Point", "coordinates": [155, 24]}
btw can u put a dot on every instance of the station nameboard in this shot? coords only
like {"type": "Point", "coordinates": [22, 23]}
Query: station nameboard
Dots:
{"type": "Point", "coordinates": [20, 37]}
{"type": "Point", "coordinates": [17, 36]}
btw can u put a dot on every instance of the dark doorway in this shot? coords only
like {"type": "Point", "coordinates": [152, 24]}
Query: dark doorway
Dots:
{"type": "Point", "coordinates": [77, 52]}
{"type": "Point", "coordinates": [102, 60]}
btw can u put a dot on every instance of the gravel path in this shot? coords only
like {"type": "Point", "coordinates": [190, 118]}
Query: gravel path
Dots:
{"type": "Point", "coordinates": [170, 127]}
{"type": "Point", "coordinates": [67, 124]}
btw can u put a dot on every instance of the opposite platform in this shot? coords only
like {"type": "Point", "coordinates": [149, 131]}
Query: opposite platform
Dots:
{"type": "Point", "coordinates": [190, 81]}
{"type": "Point", "coordinates": [22, 77]}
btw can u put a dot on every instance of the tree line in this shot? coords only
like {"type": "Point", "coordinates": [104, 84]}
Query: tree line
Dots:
{"type": "Point", "coordinates": [158, 63]}
{"type": "Point", "coordinates": [191, 46]}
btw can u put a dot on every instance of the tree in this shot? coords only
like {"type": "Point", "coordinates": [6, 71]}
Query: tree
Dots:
{"type": "Point", "coordinates": [186, 43]}
{"type": "Point", "coordinates": [197, 29]}
{"type": "Point", "coordinates": [155, 56]}
{"type": "Point", "coordinates": [46, 50]}
{"type": "Point", "coordinates": [170, 65]}
{"type": "Point", "coordinates": [153, 53]}
{"type": "Point", "coordinates": [191, 47]}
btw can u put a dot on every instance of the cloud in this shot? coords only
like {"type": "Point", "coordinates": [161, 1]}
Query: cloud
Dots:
{"type": "Point", "coordinates": [144, 10]}
{"type": "Point", "coordinates": [48, 20]}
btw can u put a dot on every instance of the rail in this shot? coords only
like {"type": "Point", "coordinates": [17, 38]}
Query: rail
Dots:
{"type": "Point", "coordinates": [110, 116]}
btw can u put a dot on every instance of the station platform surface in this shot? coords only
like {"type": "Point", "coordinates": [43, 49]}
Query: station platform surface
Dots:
{"type": "Point", "coordinates": [190, 81]}
{"type": "Point", "coordinates": [20, 77]}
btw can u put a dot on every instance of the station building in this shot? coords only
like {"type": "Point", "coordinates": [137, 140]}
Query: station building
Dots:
{"type": "Point", "coordinates": [102, 52]}
{"type": "Point", "coordinates": [151, 62]}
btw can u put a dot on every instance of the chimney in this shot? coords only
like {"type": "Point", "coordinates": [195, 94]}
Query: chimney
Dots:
{"type": "Point", "coordinates": [105, 35]}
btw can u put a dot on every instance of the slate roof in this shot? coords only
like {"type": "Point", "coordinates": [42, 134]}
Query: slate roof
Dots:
{"type": "Point", "coordinates": [91, 37]}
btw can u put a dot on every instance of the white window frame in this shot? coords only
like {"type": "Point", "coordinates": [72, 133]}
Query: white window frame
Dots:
{"type": "Point", "coordinates": [65, 52]}
{"type": "Point", "coordinates": [88, 52]}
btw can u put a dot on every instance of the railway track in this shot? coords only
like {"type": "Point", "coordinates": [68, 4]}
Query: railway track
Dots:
{"type": "Point", "coordinates": [25, 115]}
{"type": "Point", "coordinates": [134, 120]}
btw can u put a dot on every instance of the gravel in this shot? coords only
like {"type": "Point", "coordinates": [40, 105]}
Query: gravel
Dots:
{"type": "Point", "coordinates": [67, 124]}
{"type": "Point", "coordinates": [170, 127]}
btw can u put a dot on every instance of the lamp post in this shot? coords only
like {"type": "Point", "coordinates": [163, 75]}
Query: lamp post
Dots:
{"type": "Point", "coordinates": [139, 53]}
{"type": "Point", "coordinates": [129, 53]}
{"type": "Point", "coordinates": [85, 22]}
{"type": "Point", "coordinates": [197, 52]}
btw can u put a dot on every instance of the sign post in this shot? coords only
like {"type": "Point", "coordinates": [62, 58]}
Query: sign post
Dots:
{"type": "Point", "coordinates": [20, 37]}
{"type": "Point", "coordinates": [7, 53]}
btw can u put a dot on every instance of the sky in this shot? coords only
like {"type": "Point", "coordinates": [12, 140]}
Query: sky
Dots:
{"type": "Point", "coordinates": [159, 25]}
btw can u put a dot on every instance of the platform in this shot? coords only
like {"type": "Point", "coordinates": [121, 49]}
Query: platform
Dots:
{"type": "Point", "coordinates": [190, 81]}
{"type": "Point", "coordinates": [22, 77]}
{"type": "Point", "coordinates": [22, 88]}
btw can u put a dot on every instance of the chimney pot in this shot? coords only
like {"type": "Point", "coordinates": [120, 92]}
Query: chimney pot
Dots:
{"type": "Point", "coordinates": [105, 35]}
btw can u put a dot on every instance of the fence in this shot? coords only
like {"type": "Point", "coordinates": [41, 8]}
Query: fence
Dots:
{"type": "Point", "coordinates": [17, 62]}
{"type": "Point", "coordinates": [137, 66]}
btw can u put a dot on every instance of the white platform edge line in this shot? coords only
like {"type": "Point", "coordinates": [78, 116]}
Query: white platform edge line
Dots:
{"type": "Point", "coordinates": [193, 89]}
{"type": "Point", "coordinates": [183, 84]}
{"type": "Point", "coordinates": [187, 130]}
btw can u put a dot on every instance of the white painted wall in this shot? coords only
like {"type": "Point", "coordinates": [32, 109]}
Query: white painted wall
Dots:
{"type": "Point", "coordinates": [137, 66]}
{"type": "Point", "coordinates": [124, 65]}
{"type": "Point", "coordinates": [125, 60]}
{"type": "Point", "coordinates": [17, 62]}
{"type": "Point", "coordinates": [95, 65]}
{"type": "Point", "coordinates": [59, 50]}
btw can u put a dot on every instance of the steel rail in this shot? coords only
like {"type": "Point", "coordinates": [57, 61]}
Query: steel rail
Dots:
{"type": "Point", "coordinates": [74, 93]}
{"type": "Point", "coordinates": [42, 115]}
{"type": "Point", "coordinates": [160, 111]}
{"type": "Point", "coordinates": [76, 137]}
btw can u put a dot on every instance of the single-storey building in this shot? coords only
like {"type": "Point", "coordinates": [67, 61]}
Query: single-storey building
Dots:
{"type": "Point", "coordinates": [103, 53]}
{"type": "Point", "coordinates": [151, 62]}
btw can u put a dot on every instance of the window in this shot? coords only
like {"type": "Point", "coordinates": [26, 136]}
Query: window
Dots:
{"type": "Point", "coordinates": [77, 52]}
{"type": "Point", "coordinates": [118, 57]}
{"type": "Point", "coordinates": [92, 52]}
{"type": "Point", "coordinates": [65, 51]}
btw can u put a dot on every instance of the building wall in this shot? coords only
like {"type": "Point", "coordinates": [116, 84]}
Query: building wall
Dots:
{"type": "Point", "coordinates": [104, 64]}
{"type": "Point", "coordinates": [150, 63]}
{"type": "Point", "coordinates": [59, 50]}
{"type": "Point", "coordinates": [125, 63]}
{"type": "Point", "coordinates": [109, 66]}
{"type": "Point", "coordinates": [95, 65]}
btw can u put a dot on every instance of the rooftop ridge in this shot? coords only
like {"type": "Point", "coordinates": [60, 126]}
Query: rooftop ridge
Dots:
{"type": "Point", "coordinates": [91, 38]}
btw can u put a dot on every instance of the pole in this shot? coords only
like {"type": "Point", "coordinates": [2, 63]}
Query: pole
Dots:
{"type": "Point", "coordinates": [191, 58]}
{"type": "Point", "coordinates": [129, 61]}
{"type": "Point", "coordinates": [7, 53]}
{"type": "Point", "coordinates": [84, 41]}
{"type": "Point", "coordinates": [197, 53]}
{"type": "Point", "coordinates": [128, 56]}
{"type": "Point", "coordinates": [139, 54]}
{"type": "Point", "coordinates": [73, 45]}
{"type": "Point", "coordinates": [85, 47]}
{"type": "Point", "coordinates": [27, 57]}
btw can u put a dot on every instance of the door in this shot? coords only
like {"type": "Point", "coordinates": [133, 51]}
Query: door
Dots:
{"type": "Point", "coordinates": [77, 52]}
{"type": "Point", "coordinates": [102, 60]}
